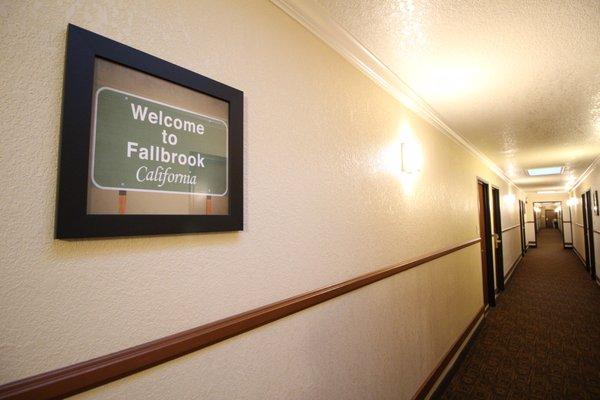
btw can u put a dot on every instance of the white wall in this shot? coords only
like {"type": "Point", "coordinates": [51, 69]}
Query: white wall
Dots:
{"type": "Point", "coordinates": [511, 239]}
{"type": "Point", "coordinates": [590, 182]}
{"type": "Point", "coordinates": [320, 208]}
{"type": "Point", "coordinates": [549, 197]}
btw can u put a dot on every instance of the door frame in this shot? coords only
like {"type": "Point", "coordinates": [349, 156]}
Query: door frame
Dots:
{"type": "Point", "coordinates": [522, 223]}
{"type": "Point", "coordinates": [546, 211]}
{"type": "Point", "coordinates": [485, 233]}
{"type": "Point", "coordinates": [562, 219]}
{"type": "Point", "coordinates": [570, 227]}
{"type": "Point", "coordinates": [498, 236]}
{"type": "Point", "coordinates": [589, 225]}
{"type": "Point", "coordinates": [585, 231]}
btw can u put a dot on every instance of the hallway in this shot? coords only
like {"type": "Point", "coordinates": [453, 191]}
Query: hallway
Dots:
{"type": "Point", "coordinates": [299, 199]}
{"type": "Point", "coordinates": [543, 338]}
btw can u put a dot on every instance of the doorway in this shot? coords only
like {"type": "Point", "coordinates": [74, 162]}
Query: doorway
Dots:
{"type": "Point", "coordinates": [498, 239]}
{"type": "Point", "coordinates": [588, 233]}
{"type": "Point", "coordinates": [551, 220]}
{"type": "Point", "coordinates": [548, 215]}
{"type": "Point", "coordinates": [485, 234]}
{"type": "Point", "coordinates": [522, 223]}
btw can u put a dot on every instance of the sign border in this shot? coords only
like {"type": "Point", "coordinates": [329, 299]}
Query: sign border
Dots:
{"type": "Point", "coordinates": [72, 220]}
{"type": "Point", "coordinates": [93, 147]}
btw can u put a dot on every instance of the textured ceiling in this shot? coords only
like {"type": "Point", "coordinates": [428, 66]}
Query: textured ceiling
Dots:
{"type": "Point", "coordinates": [518, 79]}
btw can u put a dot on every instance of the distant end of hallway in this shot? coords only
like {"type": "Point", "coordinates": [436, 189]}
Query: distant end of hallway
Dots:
{"type": "Point", "coordinates": [542, 340]}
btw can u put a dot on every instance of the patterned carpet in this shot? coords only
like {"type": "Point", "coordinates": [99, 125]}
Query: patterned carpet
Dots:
{"type": "Point", "coordinates": [542, 340]}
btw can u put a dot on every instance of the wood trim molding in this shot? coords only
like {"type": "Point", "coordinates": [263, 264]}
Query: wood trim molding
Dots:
{"type": "Point", "coordinates": [579, 225]}
{"type": "Point", "coordinates": [434, 376]}
{"type": "Point", "coordinates": [598, 232]}
{"type": "Point", "coordinates": [511, 270]}
{"type": "Point", "coordinates": [86, 375]}
{"type": "Point", "coordinates": [421, 394]}
{"type": "Point", "coordinates": [315, 19]}
{"type": "Point", "coordinates": [579, 256]}
{"type": "Point", "coordinates": [510, 227]}
{"type": "Point", "coordinates": [530, 222]}
{"type": "Point", "coordinates": [566, 222]}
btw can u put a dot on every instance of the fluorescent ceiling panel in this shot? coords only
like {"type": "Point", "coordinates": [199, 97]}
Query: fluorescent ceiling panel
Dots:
{"type": "Point", "coordinates": [545, 171]}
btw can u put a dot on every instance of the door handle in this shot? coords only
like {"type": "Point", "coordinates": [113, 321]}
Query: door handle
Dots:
{"type": "Point", "coordinates": [497, 240]}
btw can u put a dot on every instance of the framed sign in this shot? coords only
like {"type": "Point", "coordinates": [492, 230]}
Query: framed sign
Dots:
{"type": "Point", "coordinates": [147, 147]}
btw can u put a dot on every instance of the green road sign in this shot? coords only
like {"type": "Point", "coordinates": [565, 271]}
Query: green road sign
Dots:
{"type": "Point", "coordinates": [143, 145]}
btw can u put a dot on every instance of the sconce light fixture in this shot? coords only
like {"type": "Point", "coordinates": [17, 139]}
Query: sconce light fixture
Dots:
{"type": "Point", "coordinates": [410, 156]}
{"type": "Point", "coordinates": [537, 209]}
{"type": "Point", "coordinates": [510, 198]}
{"type": "Point", "coordinates": [572, 201]}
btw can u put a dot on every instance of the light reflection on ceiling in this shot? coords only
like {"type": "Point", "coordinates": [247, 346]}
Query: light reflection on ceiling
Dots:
{"type": "Point", "coordinates": [519, 80]}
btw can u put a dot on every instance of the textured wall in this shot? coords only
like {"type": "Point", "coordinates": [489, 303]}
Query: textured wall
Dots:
{"type": "Point", "coordinates": [591, 182]}
{"type": "Point", "coordinates": [320, 208]}
{"type": "Point", "coordinates": [511, 248]}
{"type": "Point", "coordinates": [535, 197]}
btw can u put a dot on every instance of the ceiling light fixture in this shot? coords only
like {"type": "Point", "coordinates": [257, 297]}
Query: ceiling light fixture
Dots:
{"type": "Point", "coordinates": [545, 171]}
{"type": "Point", "coordinates": [551, 191]}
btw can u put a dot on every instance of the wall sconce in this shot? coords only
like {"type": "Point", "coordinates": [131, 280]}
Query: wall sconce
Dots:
{"type": "Point", "coordinates": [509, 198]}
{"type": "Point", "coordinates": [410, 157]}
{"type": "Point", "coordinates": [572, 201]}
{"type": "Point", "coordinates": [557, 210]}
{"type": "Point", "coordinates": [537, 209]}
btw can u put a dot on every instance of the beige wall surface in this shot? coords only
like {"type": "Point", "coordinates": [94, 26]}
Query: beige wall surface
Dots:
{"type": "Point", "coordinates": [535, 197]}
{"type": "Point", "coordinates": [591, 182]}
{"type": "Point", "coordinates": [321, 206]}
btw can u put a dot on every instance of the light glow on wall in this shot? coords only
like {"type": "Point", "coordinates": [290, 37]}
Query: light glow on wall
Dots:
{"type": "Point", "coordinates": [403, 158]}
{"type": "Point", "coordinates": [572, 201]}
{"type": "Point", "coordinates": [510, 198]}
{"type": "Point", "coordinates": [537, 209]}
{"type": "Point", "coordinates": [411, 156]}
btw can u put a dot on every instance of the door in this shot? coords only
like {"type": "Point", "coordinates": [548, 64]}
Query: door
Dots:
{"type": "Point", "coordinates": [550, 218]}
{"type": "Point", "coordinates": [585, 231]}
{"type": "Point", "coordinates": [485, 231]}
{"type": "Point", "coordinates": [522, 223]}
{"type": "Point", "coordinates": [498, 239]}
{"type": "Point", "coordinates": [589, 228]}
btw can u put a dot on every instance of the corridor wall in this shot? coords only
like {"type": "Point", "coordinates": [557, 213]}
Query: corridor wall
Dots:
{"type": "Point", "coordinates": [549, 197]}
{"type": "Point", "coordinates": [511, 235]}
{"type": "Point", "coordinates": [323, 204]}
{"type": "Point", "coordinates": [590, 181]}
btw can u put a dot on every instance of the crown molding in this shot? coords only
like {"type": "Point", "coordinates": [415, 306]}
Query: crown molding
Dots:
{"type": "Point", "coordinates": [313, 17]}
{"type": "Point", "coordinates": [585, 174]}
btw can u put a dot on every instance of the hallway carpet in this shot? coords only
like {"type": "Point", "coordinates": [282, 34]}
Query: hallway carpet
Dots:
{"type": "Point", "coordinates": [542, 340]}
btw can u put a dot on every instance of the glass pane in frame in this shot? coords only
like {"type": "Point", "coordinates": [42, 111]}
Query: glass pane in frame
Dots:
{"type": "Point", "coordinates": [156, 147]}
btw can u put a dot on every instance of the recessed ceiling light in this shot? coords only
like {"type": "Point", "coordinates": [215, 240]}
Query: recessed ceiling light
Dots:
{"type": "Point", "coordinates": [551, 191]}
{"type": "Point", "coordinates": [545, 171]}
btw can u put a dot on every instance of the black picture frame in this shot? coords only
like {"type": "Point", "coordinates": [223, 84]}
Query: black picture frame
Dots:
{"type": "Point", "coordinates": [596, 208]}
{"type": "Point", "coordinates": [72, 219]}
